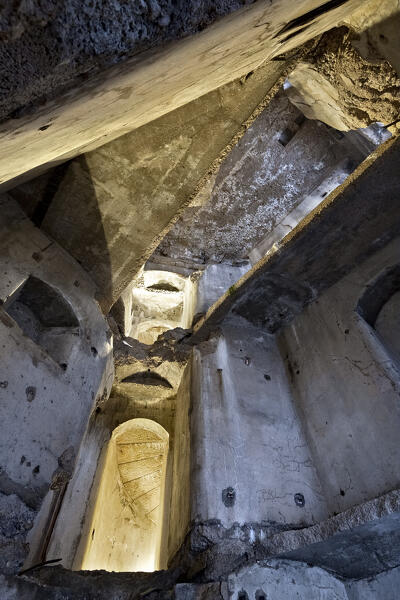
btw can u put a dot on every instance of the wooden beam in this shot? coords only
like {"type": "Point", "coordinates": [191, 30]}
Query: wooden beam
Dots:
{"type": "Point", "coordinates": [156, 82]}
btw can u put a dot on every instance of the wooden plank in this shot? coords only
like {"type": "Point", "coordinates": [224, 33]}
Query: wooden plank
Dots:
{"type": "Point", "coordinates": [148, 86]}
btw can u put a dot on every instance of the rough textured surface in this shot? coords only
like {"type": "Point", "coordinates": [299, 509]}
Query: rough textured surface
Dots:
{"type": "Point", "coordinates": [140, 182]}
{"type": "Point", "coordinates": [48, 389]}
{"type": "Point", "coordinates": [375, 26]}
{"type": "Point", "coordinates": [326, 86]}
{"type": "Point", "coordinates": [16, 519]}
{"type": "Point", "coordinates": [357, 376]}
{"type": "Point", "coordinates": [291, 276]}
{"type": "Point", "coordinates": [243, 412]}
{"type": "Point", "coordinates": [168, 360]}
{"type": "Point", "coordinates": [47, 48]}
{"type": "Point", "coordinates": [384, 586]}
{"type": "Point", "coordinates": [280, 159]}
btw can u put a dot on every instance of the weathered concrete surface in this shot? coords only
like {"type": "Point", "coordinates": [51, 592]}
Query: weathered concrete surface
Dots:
{"type": "Point", "coordinates": [33, 382]}
{"type": "Point", "coordinates": [328, 85]}
{"type": "Point", "coordinates": [50, 376]}
{"type": "Point", "coordinates": [16, 519]}
{"type": "Point", "coordinates": [384, 586]}
{"type": "Point", "coordinates": [343, 376]}
{"type": "Point", "coordinates": [285, 580]}
{"type": "Point", "coordinates": [114, 205]}
{"type": "Point", "coordinates": [162, 80]}
{"type": "Point", "coordinates": [359, 542]}
{"type": "Point", "coordinates": [214, 281]}
{"type": "Point", "coordinates": [375, 25]}
{"type": "Point", "coordinates": [47, 49]}
{"type": "Point", "coordinates": [246, 436]}
{"type": "Point", "coordinates": [56, 583]}
{"type": "Point", "coordinates": [280, 159]}
{"type": "Point", "coordinates": [354, 221]}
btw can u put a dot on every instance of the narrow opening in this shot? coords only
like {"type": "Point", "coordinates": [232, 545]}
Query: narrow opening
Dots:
{"type": "Point", "coordinates": [285, 136]}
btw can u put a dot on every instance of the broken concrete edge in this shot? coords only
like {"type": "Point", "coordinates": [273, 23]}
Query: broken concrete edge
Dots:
{"type": "Point", "coordinates": [348, 520]}
{"type": "Point", "coordinates": [211, 551]}
{"type": "Point", "coordinates": [220, 309]}
{"type": "Point", "coordinates": [201, 560]}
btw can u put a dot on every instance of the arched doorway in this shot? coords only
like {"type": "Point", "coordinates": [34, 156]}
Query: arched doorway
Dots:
{"type": "Point", "coordinates": [127, 522]}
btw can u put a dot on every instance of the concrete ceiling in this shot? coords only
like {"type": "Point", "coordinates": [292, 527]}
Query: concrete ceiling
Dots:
{"type": "Point", "coordinates": [280, 159]}
{"type": "Point", "coordinates": [355, 220]}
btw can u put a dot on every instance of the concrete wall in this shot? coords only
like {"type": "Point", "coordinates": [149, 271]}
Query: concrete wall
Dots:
{"type": "Point", "coordinates": [249, 454]}
{"type": "Point", "coordinates": [214, 282]}
{"type": "Point", "coordinates": [346, 387]}
{"type": "Point", "coordinates": [47, 389]}
{"type": "Point", "coordinates": [113, 205]}
{"type": "Point", "coordinates": [45, 405]}
{"type": "Point", "coordinates": [165, 406]}
{"type": "Point", "coordinates": [280, 159]}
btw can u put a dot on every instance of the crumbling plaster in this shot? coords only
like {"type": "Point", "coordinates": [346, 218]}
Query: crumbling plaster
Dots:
{"type": "Point", "coordinates": [257, 185]}
{"type": "Point", "coordinates": [326, 85]}
{"type": "Point", "coordinates": [354, 221]}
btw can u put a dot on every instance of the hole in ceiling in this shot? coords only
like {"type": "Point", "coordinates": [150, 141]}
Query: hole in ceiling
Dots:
{"type": "Point", "coordinates": [164, 286]}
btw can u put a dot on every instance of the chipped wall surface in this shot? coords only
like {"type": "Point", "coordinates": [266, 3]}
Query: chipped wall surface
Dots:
{"type": "Point", "coordinates": [251, 462]}
{"type": "Point", "coordinates": [350, 224]}
{"type": "Point", "coordinates": [280, 159]}
{"type": "Point", "coordinates": [45, 403]}
{"type": "Point", "coordinates": [346, 387]}
{"type": "Point", "coordinates": [326, 86]}
{"type": "Point", "coordinates": [49, 48]}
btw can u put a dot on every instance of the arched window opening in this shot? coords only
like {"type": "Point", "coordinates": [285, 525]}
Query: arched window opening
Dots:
{"type": "Point", "coordinates": [127, 524]}
{"type": "Point", "coordinates": [45, 317]}
{"type": "Point", "coordinates": [380, 308]}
